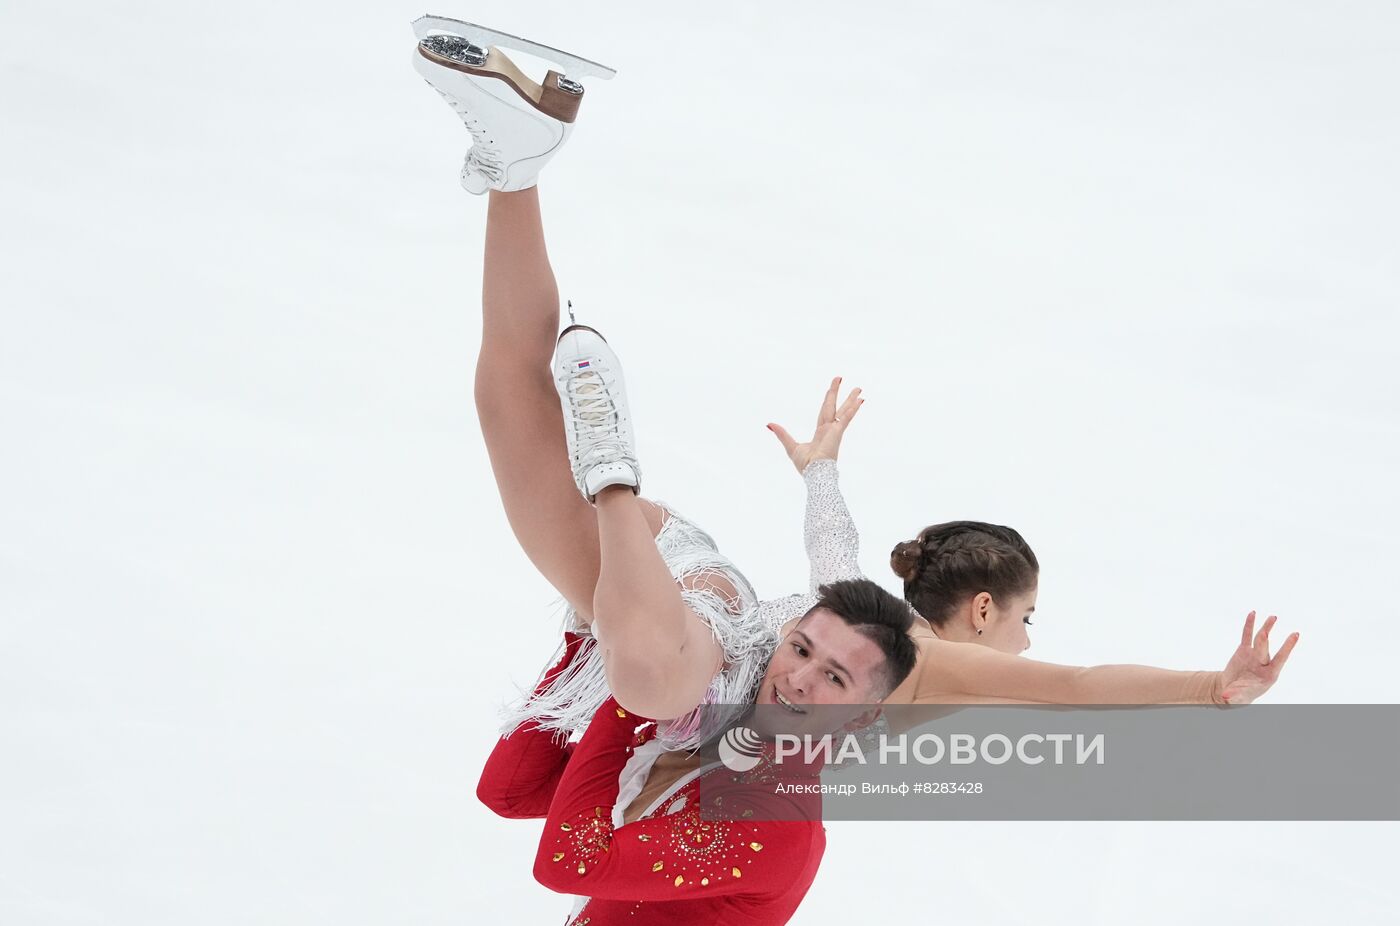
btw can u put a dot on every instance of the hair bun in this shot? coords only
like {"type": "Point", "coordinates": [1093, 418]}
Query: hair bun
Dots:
{"type": "Point", "coordinates": [906, 558]}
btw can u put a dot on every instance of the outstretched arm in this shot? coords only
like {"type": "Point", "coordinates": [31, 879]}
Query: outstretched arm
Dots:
{"type": "Point", "coordinates": [966, 672]}
{"type": "Point", "coordinates": [833, 543]}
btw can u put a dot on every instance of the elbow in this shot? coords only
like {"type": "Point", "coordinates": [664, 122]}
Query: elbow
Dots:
{"type": "Point", "coordinates": [1082, 688]}
{"type": "Point", "coordinates": [497, 797]}
{"type": "Point", "coordinates": [504, 792]}
{"type": "Point", "coordinates": [550, 873]}
{"type": "Point", "coordinates": [497, 793]}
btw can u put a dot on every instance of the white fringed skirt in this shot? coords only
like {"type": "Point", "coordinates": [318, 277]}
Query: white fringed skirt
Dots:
{"type": "Point", "coordinates": [748, 641]}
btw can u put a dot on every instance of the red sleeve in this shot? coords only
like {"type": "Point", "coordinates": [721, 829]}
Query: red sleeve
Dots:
{"type": "Point", "coordinates": [678, 856]}
{"type": "Point", "coordinates": [525, 767]}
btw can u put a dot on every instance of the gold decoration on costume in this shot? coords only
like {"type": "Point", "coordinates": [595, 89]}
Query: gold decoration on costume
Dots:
{"type": "Point", "coordinates": [658, 866]}
{"type": "Point", "coordinates": [704, 882]}
{"type": "Point", "coordinates": [746, 814]}
{"type": "Point", "coordinates": [566, 827]}
{"type": "Point", "coordinates": [680, 879]}
{"type": "Point", "coordinates": [756, 846]}
{"type": "Point", "coordinates": [581, 869]}
{"type": "Point", "coordinates": [736, 872]}
{"type": "Point", "coordinates": [644, 837]}
{"type": "Point", "coordinates": [621, 712]}
{"type": "Point", "coordinates": [558, 856]}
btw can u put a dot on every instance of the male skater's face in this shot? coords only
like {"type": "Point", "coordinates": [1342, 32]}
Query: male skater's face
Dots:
{"type": "Point", "coordinates": [823, 660]}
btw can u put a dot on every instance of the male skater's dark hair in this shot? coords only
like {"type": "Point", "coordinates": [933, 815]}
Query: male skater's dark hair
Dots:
{"type": "Point", "coordinates": [880, 617]}
{"type": "Point", "coordinates": [950, 562]}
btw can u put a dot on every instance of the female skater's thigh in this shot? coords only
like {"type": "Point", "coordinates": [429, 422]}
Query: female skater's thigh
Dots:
{"type": "Point", "coordinates": [555, 526]}
{"type": "Point", "coordinates": [558, 530]}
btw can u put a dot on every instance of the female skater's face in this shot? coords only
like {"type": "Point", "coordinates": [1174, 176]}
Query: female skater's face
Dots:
{"type": "Point", "coordinates": [1007, 627]}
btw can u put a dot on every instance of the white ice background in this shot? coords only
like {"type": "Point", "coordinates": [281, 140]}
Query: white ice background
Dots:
{"type": "Point", "coordinates": [1120, 275]}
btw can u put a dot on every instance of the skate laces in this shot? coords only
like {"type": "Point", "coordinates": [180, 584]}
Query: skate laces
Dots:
{"type": "Point", "coordinates": [594, 417]}
{"type": "Point", "coordinates": [482, 158]}
{"type": "Point", "coordinates": [485, 161]}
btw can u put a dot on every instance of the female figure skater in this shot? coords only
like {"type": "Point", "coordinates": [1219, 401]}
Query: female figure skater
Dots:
{"type": "Point", "coordinates": [668, 623]}
{"type": "Point", "coordinates": [976, 583]}
{"type": "Point", "coordinates": [673, 623]}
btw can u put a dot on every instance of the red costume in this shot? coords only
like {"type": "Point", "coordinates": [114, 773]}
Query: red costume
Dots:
{"type": "Point", "coordinates": [671, 866]}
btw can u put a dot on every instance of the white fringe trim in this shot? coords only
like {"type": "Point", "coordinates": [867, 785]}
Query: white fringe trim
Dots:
{"type": "Point", "coordinates": [745, 637]}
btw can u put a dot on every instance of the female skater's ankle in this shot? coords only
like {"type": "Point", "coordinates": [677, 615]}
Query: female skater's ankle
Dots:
{"type": "Point", "coordinates": [513, 196]}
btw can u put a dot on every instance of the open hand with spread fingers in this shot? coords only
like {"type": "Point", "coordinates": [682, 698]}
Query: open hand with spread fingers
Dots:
{"type": "Point", "coordinates": [1252, 671]}
{"type": "Point", "coordinates": [831, 425]}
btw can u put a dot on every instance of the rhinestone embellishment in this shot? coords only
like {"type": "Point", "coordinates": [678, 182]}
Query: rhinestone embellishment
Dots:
{"type": "Point", "coordinates": [456, 48]}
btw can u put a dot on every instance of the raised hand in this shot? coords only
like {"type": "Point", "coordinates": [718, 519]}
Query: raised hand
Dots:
{"type": "Point", "coordinates": [1251, 671]}
{"type": "Point", "coordinates": [831, 425]}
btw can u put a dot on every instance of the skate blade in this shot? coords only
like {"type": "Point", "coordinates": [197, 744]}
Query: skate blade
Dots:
{"type": "Point", "coordinates": [570, 65]}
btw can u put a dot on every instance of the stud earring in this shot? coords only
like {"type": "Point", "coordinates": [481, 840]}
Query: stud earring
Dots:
{"type": "Point", "coordinates": [979, 632]}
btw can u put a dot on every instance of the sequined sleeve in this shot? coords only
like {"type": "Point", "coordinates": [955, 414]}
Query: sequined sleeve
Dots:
{"type": "Point", "coordinates": [775, 613]}
{"type": "Point", "coordinates": [833, 544]}
{"type": "Point", "coordinates": [674, 857]}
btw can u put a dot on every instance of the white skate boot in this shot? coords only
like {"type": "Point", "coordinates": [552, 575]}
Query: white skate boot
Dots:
{"type": "Point", "coordinates": [596, 420]}
{"type": "Point", "coordinates": [516, 124]}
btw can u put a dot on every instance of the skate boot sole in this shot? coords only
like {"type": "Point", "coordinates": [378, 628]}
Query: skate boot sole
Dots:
{"type": "Point", "coordinates": [549, 98]}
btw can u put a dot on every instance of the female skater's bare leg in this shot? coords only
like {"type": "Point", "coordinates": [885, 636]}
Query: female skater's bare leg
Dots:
{"type": "Point", "coordinates": [659, 655]}
{"type": "Point", "coordinates": [516, 126]}
{"type": "Point", "coordinates": [669, 654]}
{"type": "Point", "coordinates": [519, 408]}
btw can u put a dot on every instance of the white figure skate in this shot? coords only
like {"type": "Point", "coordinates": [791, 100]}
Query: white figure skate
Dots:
{"type": "Point", "coordinates": [516, 124]}
{"type": "Point", "coordinates": [596, 419]}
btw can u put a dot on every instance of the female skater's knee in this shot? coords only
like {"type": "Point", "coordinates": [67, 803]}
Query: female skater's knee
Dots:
{"type": "Point", "coordinates": [504, 392]}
